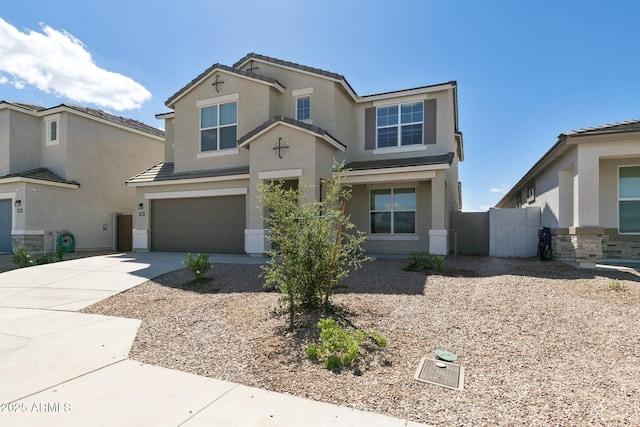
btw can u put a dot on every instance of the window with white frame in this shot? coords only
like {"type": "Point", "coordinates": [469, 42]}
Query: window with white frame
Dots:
{"type": "Point", "coordinates": [393, 211]}
{"type": "Point", "coordinates": [52, 130]}
{"type": "Point", "coordinates": [218, 126]}
{"type": "Point", "coordinates": [629, 199]}
{"type": "Point", "coordinates": [400, 125]}
{"type": "Point", "coordinates": [303, 108]}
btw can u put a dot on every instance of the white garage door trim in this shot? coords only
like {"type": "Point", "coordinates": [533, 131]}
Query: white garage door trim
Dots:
{"type": "Point", "coordinates": [236, 191]}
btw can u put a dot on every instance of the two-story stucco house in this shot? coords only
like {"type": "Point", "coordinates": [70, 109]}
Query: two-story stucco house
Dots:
{"type": "Point", "coordinates": [235, 127]}
{"type": "Point", "coordinates": [64, 169]}
{"type": "Point", "coordinates": [587, 187]}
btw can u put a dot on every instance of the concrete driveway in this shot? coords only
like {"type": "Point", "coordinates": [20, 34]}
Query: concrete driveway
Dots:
{"type": "Point", "coordinates": [63, 368]}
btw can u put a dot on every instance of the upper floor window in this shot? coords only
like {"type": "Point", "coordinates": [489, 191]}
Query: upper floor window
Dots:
{"type": "Point", "coordinates": [303, 108]}
{"type": "Point", "coordinates": [52, 130]}
{"type": "Point", "coordinates": [393, 211]}
{"type": "Point", "coordinates": [629, 199]}
{"type": "Point", "coordinates": [219, 126]}
{"type": "Point", "coordinates": [400, 125]}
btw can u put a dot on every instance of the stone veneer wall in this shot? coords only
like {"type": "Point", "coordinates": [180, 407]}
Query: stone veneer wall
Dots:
{"type": "Point", "coordinates": [32, 242]}
{"type": "Point", "coordinates": [582, 245]}
{"type": "Point", "coordinates": [620, 246]}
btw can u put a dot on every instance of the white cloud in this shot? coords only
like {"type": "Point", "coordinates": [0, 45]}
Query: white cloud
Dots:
{"type": "Point", "coordinates": [57, 62]}
{"type": "Point", "coordinates": [502, 189]}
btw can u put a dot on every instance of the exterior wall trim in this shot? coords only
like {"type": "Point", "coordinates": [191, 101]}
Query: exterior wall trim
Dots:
{"type": "Point", "coordinates": [237, 191]}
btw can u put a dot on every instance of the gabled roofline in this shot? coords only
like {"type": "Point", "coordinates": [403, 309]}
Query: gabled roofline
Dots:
{"type": "Point", "coordinates": [335, 77]}
{"type": "Point", "coordinates": [295, 124]}
{"type": "Point", "coordinates": [339, 78]}
{"type": "Point", "coordinates": [42, 176]}
{"type": "Point", "coordinates": [561, 145]}
{"type": "Point", "coordinates": [130, 125]}
{"type": "Point", "coordinates": [223, 69]}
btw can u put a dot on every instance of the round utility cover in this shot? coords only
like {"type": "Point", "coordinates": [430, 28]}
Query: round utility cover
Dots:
{"type": "Point", "coordinates": [446, 355]}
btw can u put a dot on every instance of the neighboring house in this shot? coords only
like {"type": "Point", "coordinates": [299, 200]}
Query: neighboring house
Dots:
{"type": "Point", "coordinates": [588, 189]}
{"type": "Point", "coordinates": [64, 169]}
{"type": "Point", "coordinates": [235, 127]}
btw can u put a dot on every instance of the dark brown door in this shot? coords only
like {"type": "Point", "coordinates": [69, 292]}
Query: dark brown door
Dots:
{"type": "Point", "coordinates": [125, 233]}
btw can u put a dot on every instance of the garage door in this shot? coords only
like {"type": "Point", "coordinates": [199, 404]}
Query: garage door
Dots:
{"type": "Point", "coordinates": [208, 224]}
{"type": "Point", "coordinates": [5, 225]}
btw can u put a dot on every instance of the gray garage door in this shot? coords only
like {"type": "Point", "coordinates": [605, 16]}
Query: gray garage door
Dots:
{"type": "Point", "coordinates": [207, 224]}
{"type": "Point", "coordinates": [5, 225]}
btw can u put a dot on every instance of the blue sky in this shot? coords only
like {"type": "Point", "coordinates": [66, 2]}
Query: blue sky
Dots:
{"type": "Point", "coordinates": [526, 70]}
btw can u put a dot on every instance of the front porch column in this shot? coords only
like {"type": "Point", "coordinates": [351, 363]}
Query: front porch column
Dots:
{"type": "Point", "coordinates": [586, 212]}
{"type": "Point", "coordinates": [438, 235]}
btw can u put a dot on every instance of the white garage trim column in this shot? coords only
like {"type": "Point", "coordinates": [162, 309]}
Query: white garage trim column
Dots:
{"type": "Point", "coordinates": [255, 239]}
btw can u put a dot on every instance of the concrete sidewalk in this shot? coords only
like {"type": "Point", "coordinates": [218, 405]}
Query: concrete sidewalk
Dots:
{"type": "Point", "coordinates": [62, 368]}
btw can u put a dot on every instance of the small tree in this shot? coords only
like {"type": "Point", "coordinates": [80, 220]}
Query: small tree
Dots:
{"type": "Point", "coordinates": [314, 244]}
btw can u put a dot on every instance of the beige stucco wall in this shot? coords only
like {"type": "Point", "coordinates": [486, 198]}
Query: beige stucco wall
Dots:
{"type": "Point", "coordinates": [24, 132]}
{"type": "Point", "coordinates": [100, 158]}
{"type": "Point", "coordinates": [444, 129]}
{"type": "Point", "coordinates": [312, 155]}
{"type": "Point", "coordinates": [253, 110]}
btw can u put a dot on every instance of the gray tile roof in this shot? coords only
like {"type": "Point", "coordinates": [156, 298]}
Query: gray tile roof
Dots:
{"type": "Point", "coordinates": [165, 172]}
{"type": "Point", "coordinates": [134, 124]}
{"type": "Point", "coordinates": [628, 126]}
{"type": "Point", "coordinates": [41, 174]}
{"type": "Point", "coordinates": [289, 64]}
{"type": "Point", "coordinates": [405, 162]}
{"type": "Point", "coordinates": [24, 105]}
{"type": "Point", "coordinates": [195, 81]}
{"type": "Point", "coordinates": [315, 129]}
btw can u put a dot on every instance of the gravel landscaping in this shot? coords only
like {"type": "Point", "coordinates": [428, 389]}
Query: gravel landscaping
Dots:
{"type": "Point", "coordinates": [541, 342]}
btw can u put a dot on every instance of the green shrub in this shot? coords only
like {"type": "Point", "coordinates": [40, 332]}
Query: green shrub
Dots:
{"type": "Point", "coordinates": [314, 244]}
{"type": "Point", "coordinates": [419, 261]}
{"type": "Point", "coordinates": [21, 257]}
{"type": "Point", "coordinates": [199, 265]}
{"type": "Point", "coordinates": [615, 285]}
{"type": "Point", "coordinates": [339, 348]}
{"type": "Point", "coordinates": [45, 259]}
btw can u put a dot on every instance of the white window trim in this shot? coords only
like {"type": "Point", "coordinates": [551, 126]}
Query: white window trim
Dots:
{"type": "Point", "coordinates": [625, 199]}
{"type": "Point", "coordinates": [392, 235]}
{"type": "Point", "coordinates": [401, 149]}
{"type": "Point", "coordinates": [217, 153]}
{"type": "Point", "coordinates": [47, 130]}
{"type": "Point", "coordinates": [301, 92]}
{"type": "Point", "coordinates": [218, 100]}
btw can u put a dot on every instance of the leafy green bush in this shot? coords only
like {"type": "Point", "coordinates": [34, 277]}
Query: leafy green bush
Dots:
{"type": "Point", "coordinates": [425, 261]}
{"type": "Point", "coordinates": [313, 244]}
{"type": "Point", "coordinates": [339, 348]}
{"type": "Point", "coordinates": [199, 265]}
{"type": "Point", "coordinates": [21, 257]}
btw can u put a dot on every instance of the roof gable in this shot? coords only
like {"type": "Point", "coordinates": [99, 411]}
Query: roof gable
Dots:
{"type": "Point", "coordinates": [40, 111]}
{"type": "Point", "coordinates": [225, 69]}
{"type": "Point", "coordinates": [286, 121]}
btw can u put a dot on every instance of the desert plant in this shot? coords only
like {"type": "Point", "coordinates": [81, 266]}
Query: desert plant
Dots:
{"type": "Point", "coordinates": [21, 257]}
{"type": "Point", "coordinates": [314, 244]}
{"type": "Point", "coordinates": [424, 261]}
{"type": "Point", "coordinates": [339, 348]}
{"type": "Point", "coordinates": [615, 285]}
{"type": "Point", "coordinates": [199, 265]}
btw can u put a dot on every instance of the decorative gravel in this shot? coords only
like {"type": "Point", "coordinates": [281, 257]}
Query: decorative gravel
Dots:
{"type": "Point", "coordinates": [541, 342]}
